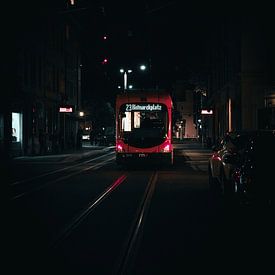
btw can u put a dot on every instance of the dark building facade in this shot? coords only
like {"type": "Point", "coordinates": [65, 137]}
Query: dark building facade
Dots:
{"type": "Point", "coordinates": [241, 87]}
{"type": "Point", "coordinates": [43, 73]}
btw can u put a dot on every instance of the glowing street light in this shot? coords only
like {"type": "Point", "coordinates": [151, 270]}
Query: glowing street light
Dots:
{"type": "Point", "coordinates": [125, 76]}
{"type": "Point", "coordinates": [142, 67]}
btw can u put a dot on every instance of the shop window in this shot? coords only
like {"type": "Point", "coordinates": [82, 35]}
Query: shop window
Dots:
{"type": "Point", "coordinates": [16, 127]}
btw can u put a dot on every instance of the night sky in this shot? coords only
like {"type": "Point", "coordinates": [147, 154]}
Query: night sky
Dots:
{"type": "Point", "coordinates": [168, 36]}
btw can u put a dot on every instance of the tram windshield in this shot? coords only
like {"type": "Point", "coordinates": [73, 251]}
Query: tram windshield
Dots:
{"type": "Point", "coordinates": [143, 125]}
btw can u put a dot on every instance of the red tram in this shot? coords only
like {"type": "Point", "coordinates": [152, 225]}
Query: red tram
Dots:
{"type": "Point", "coordinates": [144, 126]}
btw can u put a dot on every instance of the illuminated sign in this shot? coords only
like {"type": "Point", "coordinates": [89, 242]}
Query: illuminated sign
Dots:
{"type": "Point", "coordinates": [66, 109]}
{"type": "Point", "coordinates": [143, 107]}
{"type": "Point", "coordinates": [207, 112]}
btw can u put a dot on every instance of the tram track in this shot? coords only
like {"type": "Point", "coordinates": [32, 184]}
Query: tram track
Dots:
{"type": "Point", "coordinates": [84, 213]}
{"type": "Point", "coordinates": [96, 223]}
{"type": "Point", "coordinates": [127, 257]}
{"type": "Point", "coordinates": [130, 243]}
{"type": "Point", "coordinates": [31, 185]}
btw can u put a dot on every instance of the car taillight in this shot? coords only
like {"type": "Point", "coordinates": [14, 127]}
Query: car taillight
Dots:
{"type": "Point", "coordinates": [216, 157]}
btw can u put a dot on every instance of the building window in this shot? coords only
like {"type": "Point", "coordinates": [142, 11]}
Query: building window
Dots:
{"type": "Point", "coordinates": [16, 127]}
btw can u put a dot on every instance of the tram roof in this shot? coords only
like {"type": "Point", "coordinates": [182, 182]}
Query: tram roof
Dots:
{"type": "Point", "coordinates": [159, 96]}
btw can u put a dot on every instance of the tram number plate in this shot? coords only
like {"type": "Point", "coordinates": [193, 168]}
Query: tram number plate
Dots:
{"type": "Point", "coordinates": [142, 155]}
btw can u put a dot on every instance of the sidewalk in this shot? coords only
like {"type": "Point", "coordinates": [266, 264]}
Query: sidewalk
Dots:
{"type": "Point", "coordinates": [68, 155]}
{"type": "Point", "coordinates": [192, 144]}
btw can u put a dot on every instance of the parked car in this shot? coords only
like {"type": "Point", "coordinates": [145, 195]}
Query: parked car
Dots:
{"type": "Point", "coordinates": [103, 136]}
{"type": "Point", "coordinates": [240, 159]}
{"type": "Point", "coordinates": [253, 177]}
{"type": "Point", "coordinates": [86, 135]}
{"type": "Point", "coordinates": [224, 160]}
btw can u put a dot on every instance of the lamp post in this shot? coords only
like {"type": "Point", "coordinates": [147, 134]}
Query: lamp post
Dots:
{"type": "Point", "coordinates": [125, 76]}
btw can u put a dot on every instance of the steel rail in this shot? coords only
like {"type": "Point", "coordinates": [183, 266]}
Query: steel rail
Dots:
{"type": "Point", "coordinates": [131, 245]}
{"type": "Point", "coordinates": [81, 217]}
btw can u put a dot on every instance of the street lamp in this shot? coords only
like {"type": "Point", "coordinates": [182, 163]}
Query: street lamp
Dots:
{"type": "Point", "coordinates": [125, 76]}
{"type": "Point", "coordinates": [142, 67]}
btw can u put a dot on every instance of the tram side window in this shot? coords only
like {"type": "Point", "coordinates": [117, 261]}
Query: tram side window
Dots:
{"type": "Point", "coordinates": [126, 124]}
{"type": "Point", "coordinates": [136, 120]}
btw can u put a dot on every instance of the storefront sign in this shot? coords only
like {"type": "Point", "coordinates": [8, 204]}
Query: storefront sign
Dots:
{"type": "Point", "coordinates": [66, 109]}
{"type": "Point", "coordinates": [207, 112]}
